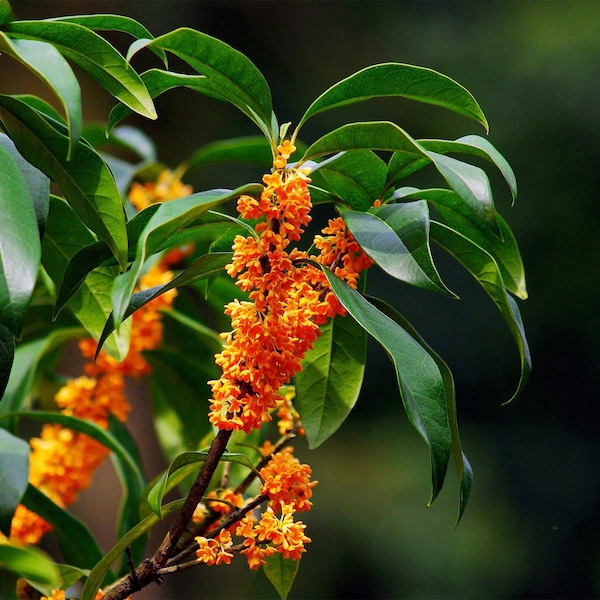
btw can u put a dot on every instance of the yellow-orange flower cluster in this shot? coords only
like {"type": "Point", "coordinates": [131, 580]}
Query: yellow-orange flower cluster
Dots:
{"type": "Point", "coordinates": [167, 186]}
{"type": "Point", "coordinates": [288, 299]}
{"type": "Point", "coordinates": [63, 461]}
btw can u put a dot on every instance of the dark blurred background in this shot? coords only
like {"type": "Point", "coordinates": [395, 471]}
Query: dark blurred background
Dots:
{"type": "Point", "coordinates": [531, 529]}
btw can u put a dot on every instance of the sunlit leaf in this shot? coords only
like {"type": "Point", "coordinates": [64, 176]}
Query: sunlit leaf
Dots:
{"type": "Point", "coordinates": [281, 572]}
{"type": "Point", "coordinates": [14, 475]}
{"type": "Point", "coordinates": [329, 383]}
{"type": "Point", "coordinates": [48, 64]}
{"type": "Point", "coordinates": [170, 218]}
{"type": "Point", "coordinates": [29, 562]}
{"type": "Point", "coordinates": [396, 237]}
{"type": "Point", "coordinates": [236, 79]}
{"type": "Point", "coordinates": [37, 183]}
{"type": "Point", "coordinates": [92, 53]}
{"type": "Point", "coordinates": [85, 180]}
{"type": "Point", "coordinates": [396, 79]}
{"type": "Point", "coordinates": [476, 146]}
{"type": "Point", "coordinates": [485, 270]}
{"type": "Point", "coordinates": [20, 250]}
{"type": "Point", "coordinates": [419, 378]}
{"type": "Point", "coordinates": [90, 302]}
{"type": "Point", "coordinates": [456, 214]}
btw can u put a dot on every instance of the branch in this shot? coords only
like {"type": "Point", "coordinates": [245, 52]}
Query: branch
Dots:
{"type": "Point", "coordinates": [149, 570]}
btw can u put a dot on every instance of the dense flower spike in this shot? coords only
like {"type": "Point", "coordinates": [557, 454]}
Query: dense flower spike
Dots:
{"type": "Point", "coordinates": [288, 298]}
{"type": "Point", "coordinates": [63, 461]}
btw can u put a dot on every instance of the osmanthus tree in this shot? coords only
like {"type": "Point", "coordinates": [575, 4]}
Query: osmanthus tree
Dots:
{"type": "Point", "coordinates": [142, 273]}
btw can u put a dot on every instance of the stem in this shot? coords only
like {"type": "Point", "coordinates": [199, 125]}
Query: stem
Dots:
{"type": "Point", "coordinates": [148, 571]}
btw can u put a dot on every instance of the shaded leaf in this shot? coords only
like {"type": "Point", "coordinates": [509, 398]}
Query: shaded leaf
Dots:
{"type": "Point", "coordinates": [47, 63]}
{"type": "Point", "coordinates": [234, 77]}
{"type": "Point", "coordinates": [281, 572]}
{"type": "Point", "coordinates": [357, 178]}
{"type": "Point", "coordinates": [396, 79]}
{"type": "Point", "coordinates": [419, 379]}
{"type": "Point", "coordinates": [5, 12]}
{"type": "Point", "coordinates": [20, 250]}
{"type": "Point", "coordinates": [384, 242]}
{"type": "Point", "coordinates": [463, 467]}
{"type": "Point", "coordinates": [14, 475]}
{"type": "Point", "coordinates": [92, 53]}
{"type": "Point", "coordinates": [85, 180]}
{"type": "Point", "coordinates": [96, 577]}
{"type": "Point", "coordinates": [7, 355]}
{"type": "Point", "coordinates": [329, 383]}
{"type": "Point", "coordinates": [485, 270]}
{"type": "Point", "coordinates": [126, 137]}
{"type": "Point", "coordinates": [78, 545]}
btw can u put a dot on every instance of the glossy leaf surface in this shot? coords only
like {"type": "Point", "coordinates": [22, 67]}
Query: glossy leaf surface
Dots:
{"type": "Point", "coordinates": [48, 64]}
{"type": "Point", "coordinates": [85, 180]}
{"type": "Point", "coordinates": [485, 270]}
{"type": "Point", "coordinates": [235, 77]}
{"type": "Point", "coordinates": [14, 475]}
{"type": "Point", "coordinates": [397, 79]}
{"type": "Point", "coordinates": [329, 383]}
{"type": "Point", "coordinates": [20, 249]}
{"type": "Point", "coordinates": [31, 563]}
{"type": "Point", "coordinates": [396, 237]}
{"type": "Point", "coordinates": [94, 55]}
{"type": "Point", "coordinates": [419, 379]}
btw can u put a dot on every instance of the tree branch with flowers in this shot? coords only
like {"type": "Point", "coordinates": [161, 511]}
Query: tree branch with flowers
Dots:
{"type": "Point", "coordinates": [127, 261]}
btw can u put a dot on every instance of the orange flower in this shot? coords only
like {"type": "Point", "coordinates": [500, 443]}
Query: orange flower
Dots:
{"type": "Point", "coordinates": [287, 481]}
{"type": "Point", "coordinates": [215, 551]}
{"type": "Point", "coordinates": [167, 187]}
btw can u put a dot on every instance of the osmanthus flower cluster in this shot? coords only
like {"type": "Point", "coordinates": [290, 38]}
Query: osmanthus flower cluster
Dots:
{"type": "Point", "coordinates": [62, 460]}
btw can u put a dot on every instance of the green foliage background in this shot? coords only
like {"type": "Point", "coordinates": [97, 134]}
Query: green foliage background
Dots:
{"type": "Point", "coordinates": [531, 526]}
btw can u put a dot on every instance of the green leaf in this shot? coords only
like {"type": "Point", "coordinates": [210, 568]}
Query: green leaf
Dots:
{"type": "Point", "coordinates": [463, 467]}
{"type": "Point", "coordinates": [419, 379]}
{"type": "Point", "coordinates": [47, 63]}
{"type": "Point", "coordinates": [7, 356]}
{"type": "Point", "coordinates": [236, 79]}
{"type": "Point", "coordinates": [106, 438]}
{"type": "Point", "coordinates": [77, 544]}
{"type": "Point", "coordinates": [112, 23]}
{"type": "Point", "coordinates": [396, 237]}
{"type": "Point", "coordinates": [329, 383]}
{"type": "Point", "coordinates": [30, 563]}
{"type": "Point", "coordinates": [126, 137]}
{"type": "Point", "coordinates": [456, 214]}
{"type": "Point", "coordinates": [158, 491]}
{"type": "Point", "coordinates": [85, 180]}
{"type": "Point", "coordinates": [91, 303]}
{"type": "Point", "coordinates": [485, 270]}
{"type": "Point", "coordinates": [396, 79]}
{"type": "Point", "coordinates": [281, 572]}
{"type": "Point", "coordinates": [14, 474]}
{"type": "Point", "coordinates": [90, 52]}
{"type": "Point", "coordinates": [404, 163]}
{"type": "Point", "coordinates": [477, 146]}
{"type": "Point", "coordinates": [158, 81]}
{"type": "Point", "coordinates": [37, 183]}
{"type": "Point", "coordinates": [20, 250]}
{"type": "Point", "coordinates": [96, 577]}
{"type": "Point", "coordinates": [203, 267]}
{"type": "Point", "coordinates": [357, 178]}
{"type": "Point", "coordinates": [170, 218]}
{"type": "Point", "coordinates": [252, 150]}
{"type": "Point", "coordinates": [5, 12]}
